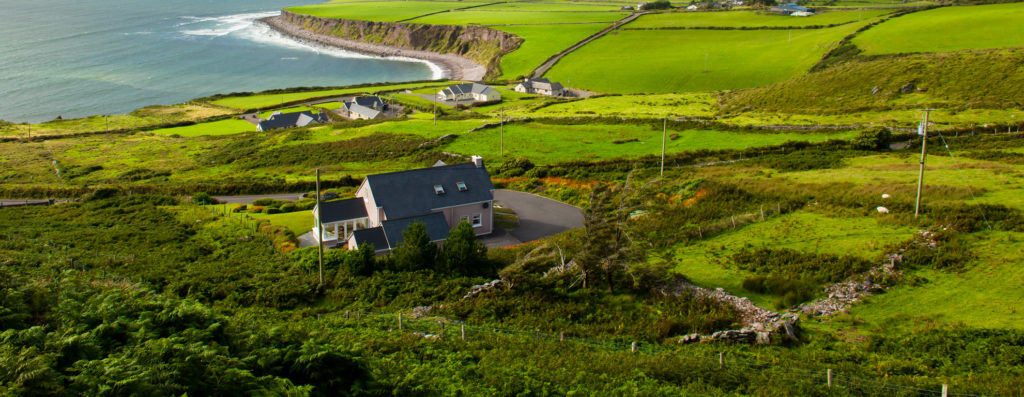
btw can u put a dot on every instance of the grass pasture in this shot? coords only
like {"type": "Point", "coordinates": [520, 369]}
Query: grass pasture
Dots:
{"type": "Point", "coordinates": [947, 29]}
{"type": "Point", "coordinates": [270, 100]}
{"type": "Point", "coordinates": [221, 127]}
{"type": "Point", "coordinates": [706, 263]}
{"type": "Point", "coordinates": [651, 106]}
{"type": "Point", "coordinates": [541, 42]}
{"type": "Point", "coordinates": [299, 222]}
{"type": "Point", "coordinates": [546, 143]}
{"type": "Point", "coordinates": [694, 60]}
{"type": "Point", "coordinates": [140, 118]}
{"type": "Point", "coordinates": [385, 11]}
{"type": "Point", "coordinates": [482, 16]}
{"type": "Point", "coordinates": [750, 19]}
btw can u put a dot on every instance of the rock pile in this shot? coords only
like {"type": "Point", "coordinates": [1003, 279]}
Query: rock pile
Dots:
{"type": "Point", "coordinates": [479, 289]}
{"type": "Point", "coordinates": [842, 295]}
{"type": "Point", "coordinates": [758, 323]}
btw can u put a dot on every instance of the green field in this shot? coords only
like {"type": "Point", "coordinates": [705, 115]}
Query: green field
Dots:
{"type": "Point", "coordinates": [749, 19]}
{"type": "Point", "coordinates": [545, 143]}
{"type": "Point", "coordinates": [270, 100]}
{"type": "Point", "coordinates": [144, 117]}
{"type": "Point", "coordinates": [541, 42]}
{"type": "Point", "coordinates": [706, 263]}
{"type": "Point", "coordinates": [550, 6]}
{"type": "Point", "coordinates": [644, 106]}
{"type": "Point", "coordinates": [474, 17]}
{"type": "Point", "coordinates": [386, 11]}
{"type": "Point", "coordinates": [947, 29]}
{"type": "Point", "coordinates": [694, 60]}
{"type": "Point", "coordinates": [222, 127]}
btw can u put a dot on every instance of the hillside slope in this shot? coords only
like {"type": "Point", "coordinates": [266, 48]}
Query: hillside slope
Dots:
{"type": "Point", "coordinates": [966, 79]}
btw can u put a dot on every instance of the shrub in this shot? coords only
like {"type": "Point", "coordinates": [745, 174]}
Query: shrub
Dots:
{"type": "Point", "coordinates": [256, 209]}
{"type": "Point", "coordinates": [239, 208]}
{"type": "Point", "coordinates": [288, 207]}
{"type": "Point", "coordinates": [202, 198]}
{"type": "Point", "coordinates": [272, 210]}
{"type": "Point", "coordinates": [264, 202]}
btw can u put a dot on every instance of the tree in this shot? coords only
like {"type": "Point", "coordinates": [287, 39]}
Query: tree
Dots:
{"type": "Point", "coordinates": [463, 254]}
{"type": "Point", "coordinates": [362, 261]}
{"type": "Point", "coordinates": [415, 252]}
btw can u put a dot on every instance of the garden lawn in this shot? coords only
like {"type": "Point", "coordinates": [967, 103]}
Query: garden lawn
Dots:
{"type": "Point", "coordinates": [987, 294]}
{"type": "Point", "coordinates": [481, 17]}
{"type": "Point", "coordinates": [947, 29]}
{"type": "Point", "coordinates": [706, 263]}
{"type": "Point", "coordinates": [540, 43]}
{"type": "Point", "coordinates": [738, 19]}
{"type": "Point", "coordinates": [221, 127]}
{"type": "Point", "coordinates": [547, 143]}
{"type": "Point", "coordinates": [299, 222]}
{"type": "Point", "coordinates": [385, 11]}
{"type": "Point", "coordinates": [694, 60]}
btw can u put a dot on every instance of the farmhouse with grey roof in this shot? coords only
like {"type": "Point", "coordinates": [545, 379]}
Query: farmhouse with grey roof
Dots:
{"type": "Point", "coordinates": [469, 91]}
{"type": "Point", "coordinates": [290, 120]}
{"type": "Point", "coordinates": [363, 108]}
{"type": "Point", "coordinates": [540, 87]}
{"type": "Point", "coordinates": [386, 204]}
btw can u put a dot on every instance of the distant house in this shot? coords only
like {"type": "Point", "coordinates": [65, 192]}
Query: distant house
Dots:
{"type": "Point", "coordinates": [386, 204]}
{"type": "Point", "coordinates": [469, 91]}
{"type": "Point", "coordinates": [692, 7]}
{"type": "Point", "coordinates": [290, 120]}
{"type": "Point", "coordinates": [540, 87]}
{"type": "Point", "coordinates": [789, 9]}
{"type": "Point", "coordinates": [801, 14]}
{"type": "Point", "coordinates": [363, 108]}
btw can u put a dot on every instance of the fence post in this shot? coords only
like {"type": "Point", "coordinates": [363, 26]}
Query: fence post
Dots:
{"type": "Point", "coordinates": [734, 221]}
{"type": "Point", "coordinates": [829, 378]}
{"type": "Point", "coordinates": [561, 336]}
{"type": "Point", "coordinates": [945, 390]}
{"type": "Point", "coordinates": [762, 212]}
{"type": "Point", "coordinates": [346, 314]}
{"type": "Point", "coordinates": [463, 329]}
{"type": "Point", "coordinates": [721, 360]}
{"type": "Point", "coordinates": [399, 321]}
{"type": "Point", "coordinates": [632, 347]}
{"type": "Point", "coordinates": [441, 333]}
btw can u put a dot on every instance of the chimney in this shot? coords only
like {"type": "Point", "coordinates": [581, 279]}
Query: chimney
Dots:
{"type": "Point", "coordinates": [478, 161]}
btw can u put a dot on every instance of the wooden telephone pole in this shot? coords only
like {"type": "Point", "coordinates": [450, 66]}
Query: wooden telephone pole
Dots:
{"type": "Point", "coordinates": [319, 231]}
{"type": "Point", "coordinates": [920, 174]}
{"type": "Point", "coordinates": [664, 130]}
{"type": "Point", "coordinates": [501, 134]}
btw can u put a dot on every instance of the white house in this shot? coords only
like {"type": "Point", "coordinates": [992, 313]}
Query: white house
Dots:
{"type": "Point", "coordinates": [469, 91]}
{"type": "Point", "coordinates": [540, 87]}
{"type": "Point", "coordinates": [386, 204]}
{"type": "Point", "coordinates": [692, 7]}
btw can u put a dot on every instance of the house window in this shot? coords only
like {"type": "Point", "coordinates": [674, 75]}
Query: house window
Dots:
{"type": "Point", "coordinates": [438, 189]}
{"type": "Point", "coordinates": [461, 185]}
{"type": "Point", "coordinates": [477, 220]}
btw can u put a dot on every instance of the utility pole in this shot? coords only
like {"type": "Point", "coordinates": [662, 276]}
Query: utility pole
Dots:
{"type": "Point", "coordinates": [664, 131]}
{"type": "Point", "coordinates": [435, 109]}
{"type": "Point", "coordinates": [920, 174]}
{"type": "Point", "coordinates": [319, 230]}
{"type": "Point", "coordinates": [501, 133]}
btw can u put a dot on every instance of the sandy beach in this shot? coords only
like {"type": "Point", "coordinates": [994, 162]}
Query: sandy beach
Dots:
{"type": "Point", "coordinates": [452, 67]}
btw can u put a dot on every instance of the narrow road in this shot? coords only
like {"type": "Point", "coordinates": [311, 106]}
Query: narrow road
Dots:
{"type": "Point", "coordinates": [539, 72]}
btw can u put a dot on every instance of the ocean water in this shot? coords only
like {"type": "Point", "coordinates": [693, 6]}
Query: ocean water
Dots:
{"type": "Point", "coordinates": [75, 58]}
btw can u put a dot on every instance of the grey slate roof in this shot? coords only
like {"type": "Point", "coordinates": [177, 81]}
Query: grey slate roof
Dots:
{"type": "Point", "coordinates": [340, 210]}
{"type": "Point", "coordinates": [409, 193]}
{"type": "Point", "coordinates": [372, 102]}
{"type": "Point", "coordinates": [436, 225]}
{"type": "Point", "coordinates": [291, 120]}
{"type": "Point", "coordinates": [466, 88]}
{"type": "Point", "coordinates": [374, 235]}
{"type": "Point", "coordinates": [364, 111]}
{"type": "Point", "coordinates": [533, 84]}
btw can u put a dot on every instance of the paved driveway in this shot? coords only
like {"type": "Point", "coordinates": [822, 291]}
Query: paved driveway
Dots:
{"type": "Point", "coordinates": [538, 216]}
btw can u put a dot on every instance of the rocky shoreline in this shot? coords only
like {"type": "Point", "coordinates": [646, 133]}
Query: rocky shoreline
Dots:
{"type": "Point", "coordinates": [452, 67]}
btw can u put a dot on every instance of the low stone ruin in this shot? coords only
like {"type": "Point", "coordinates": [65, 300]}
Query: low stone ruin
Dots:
{"type": "Point", "coordinates": [479, 289]}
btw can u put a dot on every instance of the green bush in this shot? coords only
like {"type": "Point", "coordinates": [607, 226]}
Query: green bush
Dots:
{"type": "Point", "coordinates": [272, 210]}
{"type": "Point", "coordinates": [288, 207]}
{"type": "Point", "coordinates": [202, 198]}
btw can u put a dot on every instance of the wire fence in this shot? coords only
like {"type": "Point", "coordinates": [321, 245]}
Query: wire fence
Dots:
{"type": "Point", "coordinates": [440, 328]}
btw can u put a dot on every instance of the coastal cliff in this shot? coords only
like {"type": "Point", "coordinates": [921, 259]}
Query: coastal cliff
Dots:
{"type": "Point", "coordinates": [481, 45]}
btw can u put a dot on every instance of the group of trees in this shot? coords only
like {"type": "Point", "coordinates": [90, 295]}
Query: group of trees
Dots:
{"type": "Point", "coordinates": [461, 254]}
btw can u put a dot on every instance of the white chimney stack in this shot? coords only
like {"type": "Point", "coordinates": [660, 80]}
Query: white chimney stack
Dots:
{"type": "Point", "coordinates": [478, 161]}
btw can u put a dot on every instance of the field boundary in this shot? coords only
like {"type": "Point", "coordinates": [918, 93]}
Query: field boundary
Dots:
{"type": "Point", "coordinates": [551, 61]}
